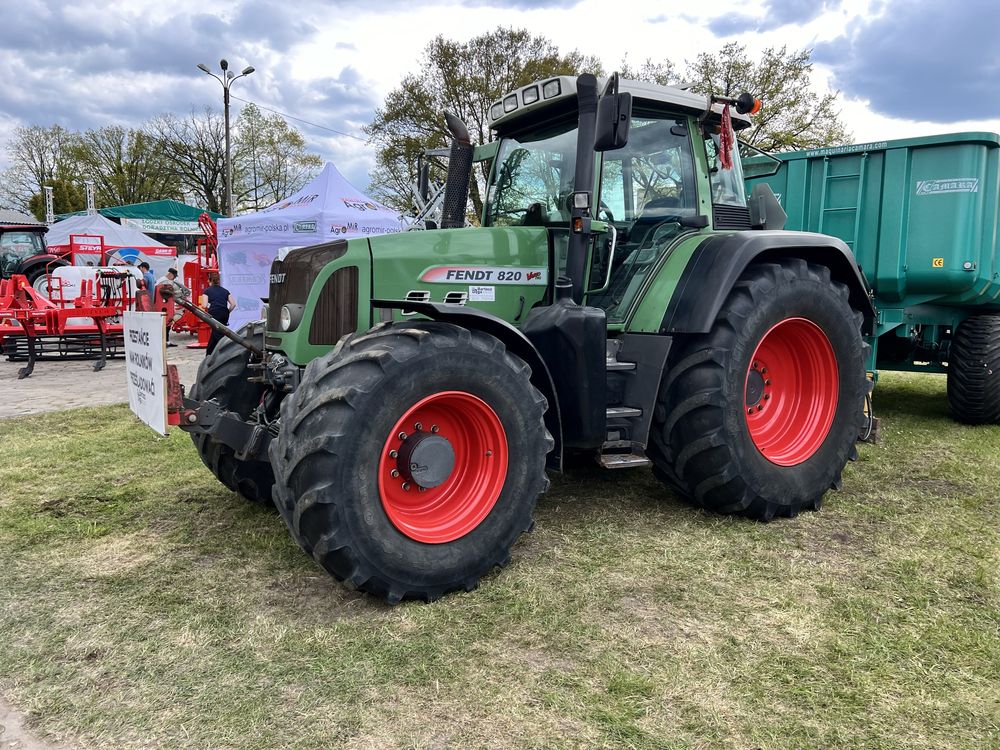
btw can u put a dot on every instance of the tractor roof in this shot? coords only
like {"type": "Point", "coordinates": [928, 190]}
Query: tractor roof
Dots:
{"type": "Point", "coordinates": [515, 110]}
{"type": "Point", "coordinates": [17, 220]}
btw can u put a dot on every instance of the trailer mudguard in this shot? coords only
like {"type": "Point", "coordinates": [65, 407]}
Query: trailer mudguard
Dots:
{"type": "Point", "coordinates": [515, 341]}
{"type": "Point", "coordinates": [718, 262]}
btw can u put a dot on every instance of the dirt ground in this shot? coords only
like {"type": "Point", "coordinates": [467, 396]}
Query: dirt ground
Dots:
{"type": "Point", "coordinates": [57, 385]}
{"type": "Point", "coordinates": [13, 735]}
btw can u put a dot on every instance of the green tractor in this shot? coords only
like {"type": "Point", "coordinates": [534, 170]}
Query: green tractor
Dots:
{"type": "Point", "coordinates": [406, 394]}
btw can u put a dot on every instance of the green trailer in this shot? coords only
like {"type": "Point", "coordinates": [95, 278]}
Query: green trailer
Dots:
{"type": "Point", "coordinates": [921, 216]}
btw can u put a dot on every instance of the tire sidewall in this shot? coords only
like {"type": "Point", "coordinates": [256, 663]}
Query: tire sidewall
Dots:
{"type": "Point", "coordinates": [374, 414]}
{"type": "Point", "coordinates": [817, 302]}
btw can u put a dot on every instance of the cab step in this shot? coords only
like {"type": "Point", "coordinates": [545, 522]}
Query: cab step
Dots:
{"type": "Point", "coordinates": [623, 460]}
{"type": "Point", "coordinates": [623, 412]}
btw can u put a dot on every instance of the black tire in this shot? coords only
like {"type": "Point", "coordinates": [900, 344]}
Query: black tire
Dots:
{"type": "Point", "coordinates": [700, 442]}
{"type": "Point", "coordinates": [223, 376]}
{"type": "Point", "coordinates": [974, 371]}
{"type": "Point", "coordinates": [334, 429]}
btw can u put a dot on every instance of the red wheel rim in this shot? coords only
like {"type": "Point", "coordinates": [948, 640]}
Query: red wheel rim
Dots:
{"type": "Point", "coordinates": [792, 389]}
{"type": "Point", "coordinates": [471, 430]}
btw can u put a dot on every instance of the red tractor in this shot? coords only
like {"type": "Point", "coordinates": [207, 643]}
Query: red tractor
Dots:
{"type": "Point", "coordinates": [23, 251]}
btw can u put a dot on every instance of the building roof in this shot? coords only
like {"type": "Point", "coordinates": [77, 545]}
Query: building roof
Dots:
{"type": "Point", "coordinates": [16, 218]}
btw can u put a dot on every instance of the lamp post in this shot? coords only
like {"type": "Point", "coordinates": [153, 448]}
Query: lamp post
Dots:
{"type": "Point", "coordinates": [227, 79]}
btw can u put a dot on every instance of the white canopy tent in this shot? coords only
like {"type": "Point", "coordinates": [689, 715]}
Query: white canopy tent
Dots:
{"type": "Point", "coordinates": [116, 237]}
{"type": "Point", "coordinates": [326, 209]}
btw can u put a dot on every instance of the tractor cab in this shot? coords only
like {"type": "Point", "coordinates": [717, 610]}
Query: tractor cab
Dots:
{"type": "Point", "coordinates": [21, 239]}
{"type": "Point", "coordinates": [667, 180]}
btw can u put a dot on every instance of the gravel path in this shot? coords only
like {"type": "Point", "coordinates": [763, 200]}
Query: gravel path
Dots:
{"type": "Point", "coordinates": [13, 735]}
{"type": "Point", "coordinates": [56, 385]}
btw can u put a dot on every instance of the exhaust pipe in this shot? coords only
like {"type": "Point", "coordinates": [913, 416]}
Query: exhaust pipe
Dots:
{"type": "Point", "coordinates": [456, 189]}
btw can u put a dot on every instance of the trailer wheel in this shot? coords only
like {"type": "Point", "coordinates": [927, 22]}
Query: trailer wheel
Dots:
{"type": "Point", "coordinates": [222, 376]}
{"type": "Point", "coordinates": [760, 415]}
{"type": "Point", "coordinates": [974, 371]}
{"type": "Point", "coordinates": [410, 459]}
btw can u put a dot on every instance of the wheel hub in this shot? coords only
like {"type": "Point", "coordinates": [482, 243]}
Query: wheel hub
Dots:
{"type": "Point", "coordinates": [425, 459]}
{"type": "Point", "coordinates": [755, 386]}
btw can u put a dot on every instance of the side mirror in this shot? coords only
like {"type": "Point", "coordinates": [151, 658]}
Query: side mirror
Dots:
{"type": "Point", "coordinates": [614, 115]}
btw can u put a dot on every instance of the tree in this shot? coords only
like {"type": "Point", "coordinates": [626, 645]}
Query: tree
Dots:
{"type": "Point", "coordinates": [662, 73]}
{"type": "Point", "coordinates": [464, 78]}
{"type": "Point", "coordinates": [270, 159]}
{"type": "Point", "coordinates": [793, 115]}
{"type": "Point", "coordinates": [126, 165]}
{"type": "Point", "coordinates": [195, 147]}
{"type": "Point", "coordinates": [38, 157]}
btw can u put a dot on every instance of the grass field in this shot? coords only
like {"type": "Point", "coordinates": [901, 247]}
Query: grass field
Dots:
{"type": "Point", "coordinates": [143, 605]}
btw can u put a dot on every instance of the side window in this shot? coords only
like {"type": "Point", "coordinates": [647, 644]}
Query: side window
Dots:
{"type": "Point", "coordinates": [727, 184]}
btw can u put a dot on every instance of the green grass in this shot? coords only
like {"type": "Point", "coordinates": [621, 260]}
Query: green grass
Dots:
{"type": "Point", "coordinates": [143, 605]}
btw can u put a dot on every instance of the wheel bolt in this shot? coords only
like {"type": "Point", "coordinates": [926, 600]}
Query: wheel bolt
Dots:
{"type": "Point", "coordinates": [763, 371]}
{"type": "Point", "coordinates": [414, 467]}
{"type": "Point", "coordinates": [767, 382]}
{"type": "Point", "coordinates": [418, 427]}
{"type": "Point", "coordinates": [401, 436]}
{"type": "Point", "coordinates": [393, 454]}
{"type": "Point", "coordinates": [767, 396]}
{"type": "Point", "coordinates": [434, 428]}
{"type": "Point", "coordinates": [489, 453]}
{"type": "Point", "coordinates": [422, 489]}
{"type": "Point", "coordinates": [406, 486]}
{"type": "Point", "coordinates": [750, 410]}
{"type": "Point", "coordinates": [394, 473]}
{"type": "Point", "coordinates": [754, 365]}
{"type": "Point", "coordinates": [760, 407]}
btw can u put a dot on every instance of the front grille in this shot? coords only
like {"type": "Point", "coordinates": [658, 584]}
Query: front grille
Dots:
{"type": "Point", "coordinates": [300, 269]}
{"type": "Point", "coordinates": [730, 217]}
{"type": "Point", "coordinates": [336, 312]}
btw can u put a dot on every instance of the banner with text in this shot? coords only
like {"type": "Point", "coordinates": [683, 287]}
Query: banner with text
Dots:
{"type": "Point", "coordinates": [146, 368]}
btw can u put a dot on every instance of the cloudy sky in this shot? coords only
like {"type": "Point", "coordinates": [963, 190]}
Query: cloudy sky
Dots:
{"type": "Point", "coordinates": [903, 67]}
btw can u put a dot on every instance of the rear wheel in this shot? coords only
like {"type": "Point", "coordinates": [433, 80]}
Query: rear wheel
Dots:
{"type": "Point", "coordinates": [410, 459]}
{"type": "Point", "coordinates": [224, 376]}
{"type": "Point", "coordinates": [974, 371]}
{"type": "Point", "coordinates": [760, 415]}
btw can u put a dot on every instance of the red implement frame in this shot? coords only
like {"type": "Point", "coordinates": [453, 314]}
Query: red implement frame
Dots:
{"type": "Point", "coordinates": [196, 279]}
{"type": "Point", "coordinates": [21, 306]}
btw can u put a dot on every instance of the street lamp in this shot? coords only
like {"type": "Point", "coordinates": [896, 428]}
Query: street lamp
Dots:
{"type": "Point", "coordinates": [227, 79]}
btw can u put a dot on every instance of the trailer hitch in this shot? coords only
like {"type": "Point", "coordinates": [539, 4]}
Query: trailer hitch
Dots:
{"type": "Point", "coordinates": [249, 441]}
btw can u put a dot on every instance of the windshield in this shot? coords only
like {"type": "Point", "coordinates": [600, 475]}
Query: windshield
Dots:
{"type": "Point", "coordinates": [532, 179]}
{"type": "Point", "coordinates": [21, 244]}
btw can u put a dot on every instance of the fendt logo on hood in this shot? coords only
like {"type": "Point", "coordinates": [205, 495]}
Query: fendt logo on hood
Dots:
{"type": "Point", "coordinates": [277, 278]}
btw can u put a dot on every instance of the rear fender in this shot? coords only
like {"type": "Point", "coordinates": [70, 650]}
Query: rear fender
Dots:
{"type": "Point", "coordinates": [515, 341]}
{"type": "Point", "coordinates": [718, 263]}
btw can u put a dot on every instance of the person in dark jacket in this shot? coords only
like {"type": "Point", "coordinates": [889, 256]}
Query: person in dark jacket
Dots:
{"type": "Point", "coordinates": [219, 303]}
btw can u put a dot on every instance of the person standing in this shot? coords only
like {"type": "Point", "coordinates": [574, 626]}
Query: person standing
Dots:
{"type": "Point", "coordinates": [180, 292]}
{"type": "Point", "coordinates": [150, 281]}
{"type": "Point", "coordinates": [219, 303]}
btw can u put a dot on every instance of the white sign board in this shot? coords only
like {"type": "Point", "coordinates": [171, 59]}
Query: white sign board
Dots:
{"type": "Point", "coordinates": [146, 367]}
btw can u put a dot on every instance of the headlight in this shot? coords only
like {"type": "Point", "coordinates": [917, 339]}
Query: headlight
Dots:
{"type": "Point", "coordinates": [290, 317]}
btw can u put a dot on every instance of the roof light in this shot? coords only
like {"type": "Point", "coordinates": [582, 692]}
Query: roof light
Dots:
{"type": "Point", "coordinates": [551, 89]}
{"type": "Point", "coordinates": [510, 103]}
{"type": "Point", "coordinates": [496, 111]}
{"type": "Point", "coordinates": [530, 95]}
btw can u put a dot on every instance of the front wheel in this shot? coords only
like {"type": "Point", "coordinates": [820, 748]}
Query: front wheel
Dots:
{"type": "Point", "coordinates": [760, 415]}
{"type": "Point", "coordinates": [410, 459]}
